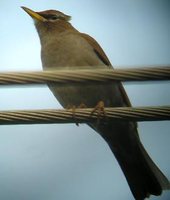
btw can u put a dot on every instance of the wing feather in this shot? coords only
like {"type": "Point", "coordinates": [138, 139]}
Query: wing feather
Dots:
{"type": "Point", "coordinates": [102, 56]}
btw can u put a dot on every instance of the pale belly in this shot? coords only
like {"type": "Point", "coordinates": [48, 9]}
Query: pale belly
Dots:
{"type": "Point", "coordinates": [89, 94]}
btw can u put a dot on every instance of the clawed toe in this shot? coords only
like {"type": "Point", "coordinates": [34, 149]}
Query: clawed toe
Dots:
{"type": "Point", "coordinates": [99, 108]}
{"type": "Point", "coordinates": [73, 108]}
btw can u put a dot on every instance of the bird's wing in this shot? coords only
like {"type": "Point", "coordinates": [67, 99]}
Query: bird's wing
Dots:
{"type": "Point", "coordinates": [97, 48]}
{"type": "Point", "coordinates": [102, 56]}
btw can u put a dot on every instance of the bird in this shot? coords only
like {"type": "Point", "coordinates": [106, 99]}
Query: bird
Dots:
{"type": "Point", "coordinates": [64, 47]}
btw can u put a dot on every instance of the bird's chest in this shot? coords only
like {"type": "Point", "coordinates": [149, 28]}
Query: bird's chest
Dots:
{"type": "Point", "coordinates": [67, 51]}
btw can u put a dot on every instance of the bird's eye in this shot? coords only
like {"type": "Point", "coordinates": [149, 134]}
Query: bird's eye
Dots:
{"type": "Point", "coordinates": [54, 17]}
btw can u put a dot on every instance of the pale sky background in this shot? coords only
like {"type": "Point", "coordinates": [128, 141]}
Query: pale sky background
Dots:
{"type": "Point", "coordinates": [49, 162]}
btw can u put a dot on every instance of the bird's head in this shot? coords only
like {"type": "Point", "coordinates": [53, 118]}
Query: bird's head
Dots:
{"type": "Point", "coordinates": [47, 15]}
{"type": "Point", "coordinates": [49, 20]}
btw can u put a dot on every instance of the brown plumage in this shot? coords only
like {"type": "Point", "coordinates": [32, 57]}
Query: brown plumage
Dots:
{"type": "Point", "coordinates": [64, 46]}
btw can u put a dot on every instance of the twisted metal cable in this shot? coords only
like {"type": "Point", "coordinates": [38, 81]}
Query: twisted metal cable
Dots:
{"type": "Point", "coordinates": [84, 115]}
{"type": "Point", "coordinates": [84, 75]}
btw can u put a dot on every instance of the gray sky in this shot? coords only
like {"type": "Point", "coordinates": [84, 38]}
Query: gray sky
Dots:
{"type": "Point", "coordinates": [66, 161]}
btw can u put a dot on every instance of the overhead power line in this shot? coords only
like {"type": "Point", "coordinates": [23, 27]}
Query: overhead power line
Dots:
{"type": "Point", "coordinates": [85, 75]}
{"type": "Point", "coordinates": [84, 115]}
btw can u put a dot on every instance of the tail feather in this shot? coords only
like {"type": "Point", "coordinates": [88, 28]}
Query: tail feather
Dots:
{"type": "Point", "coordinates": [143, 176]}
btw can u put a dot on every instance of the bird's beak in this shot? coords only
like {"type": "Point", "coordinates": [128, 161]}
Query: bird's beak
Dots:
{"type": "Point", "coordinates": [33, 14]}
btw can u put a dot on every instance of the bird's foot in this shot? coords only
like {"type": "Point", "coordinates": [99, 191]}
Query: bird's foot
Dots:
{"type": "Point", "coordinates": [99, 108]}
{"type": "Point", "coordinates": [73, 108]}
{"type": "Point", "coordinates": [82, 105]}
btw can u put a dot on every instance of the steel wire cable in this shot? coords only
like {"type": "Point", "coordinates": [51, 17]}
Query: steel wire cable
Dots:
{"type": "Point", "coordinates": [85, 75]}
{"type": "Point", "coordinates": [84, 115]}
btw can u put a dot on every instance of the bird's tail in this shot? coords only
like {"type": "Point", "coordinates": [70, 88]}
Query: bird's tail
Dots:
{"type": "Point", "coordinates": [143, 176]}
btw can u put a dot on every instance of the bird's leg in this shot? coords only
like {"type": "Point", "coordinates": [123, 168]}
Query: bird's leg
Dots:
{"type": "Point", "coordinates": [82, 105]}
{"type": "Point", "coordinates": [99, 108]}
{"type": "Point", "coordinates": [73, 108]}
